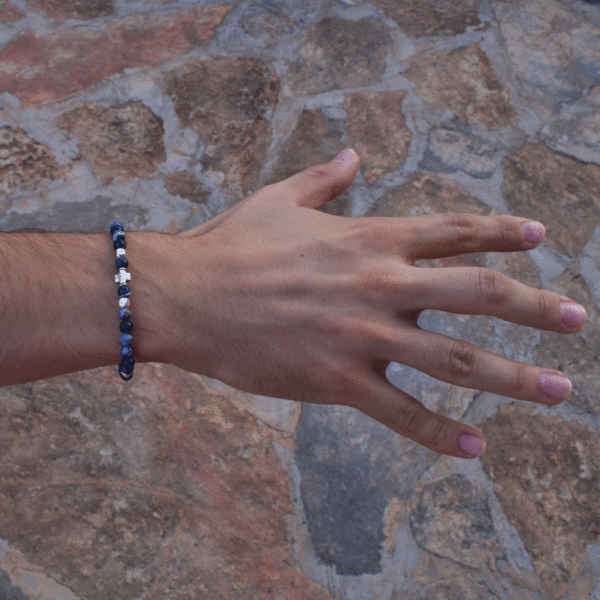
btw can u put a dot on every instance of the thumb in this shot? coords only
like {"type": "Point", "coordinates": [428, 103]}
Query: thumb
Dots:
{"type": "Point", "coordinates": [317, 185]}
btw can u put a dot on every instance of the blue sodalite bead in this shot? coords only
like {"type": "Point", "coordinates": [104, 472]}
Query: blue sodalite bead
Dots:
{"type": "Point", "coordinates": [126, 326]}
{"type": "Point", "coordinates": [126, 339]}
{"type": "Point", "coordinates": [126, 368]}
{"type": "Point", "coordinates": [124, 291]}
{"type": "Point", "coordinates": [126, 351]}
{"type": "Point", "coordinates": [118, 235]}
{"type": "Point", "coordinates": [114, 226]}
{"type": "Point", "coordinates": [119, 243]}
{"type": "Point", "coordinates": [121, 263]}
{"type": "Point", "coordinates": [124, 313]}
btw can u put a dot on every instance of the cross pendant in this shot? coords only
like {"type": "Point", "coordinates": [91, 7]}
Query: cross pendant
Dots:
{"type": "Point", "coordinates": [123, 277]}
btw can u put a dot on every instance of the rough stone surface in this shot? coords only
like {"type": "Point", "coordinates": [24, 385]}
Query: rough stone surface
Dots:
{"type": "Point", "coordinates": [125, 141]}
{"type": "Point", "coordinates": [42, 69]}
{"type": "Point", "coordinates": [463, 81]}
{"type": "Point", "coordinates": [80, 9]}
{"type": "Point", "coordinates": [545, 473]}
{"type": "Point", "coordinates": [339, 53]}
{"type": "Point", "coordinates": [177, 487]}
{"type": "Point", "coordinates": [226, 101]}
{"type": "Point", "coordinates": [557, 190]}
{"type": "Point", "coordinates": [165, 487]}
{"type": "Point", "coordinates": [561, 47]}
{"type": "Point", "coordinates": [445, 17]}
{"type": "Point", "coordinates": [377, 131]}
{"type": "Point", "coordinates": [452, 520]}
{"type": "Point", "coordinates": [24, 163]}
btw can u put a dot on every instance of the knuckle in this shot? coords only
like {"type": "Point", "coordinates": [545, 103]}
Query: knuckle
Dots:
{"type": "Point", "coordinates": [461, 359]}
{"type": "Point", "coordinates": [436, 433]}
{"type": "Point", "coordinates": [491, 287]}
{"type": "Point", "coordinates": [520, 382]}
{"type": "Point", "coordinates": [462, 228]}
{"type": "Point", "coordinates": [545, 307]}
{"type": "Point", "coordinates": [506, 229]}
{"type": "Point", "coordinates": [407, 418]}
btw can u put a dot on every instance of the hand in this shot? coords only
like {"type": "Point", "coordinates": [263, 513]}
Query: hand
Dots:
{"type": "Point", "coordinates": [285, 301]}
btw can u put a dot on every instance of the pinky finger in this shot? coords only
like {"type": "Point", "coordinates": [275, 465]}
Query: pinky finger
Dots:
{"type": "Point", "coordinates": [408, 417]}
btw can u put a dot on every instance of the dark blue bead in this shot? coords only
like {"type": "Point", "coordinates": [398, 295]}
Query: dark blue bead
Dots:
{"type": "Point", "coordinates": [126, 339]}
{"type": "Point", "coordinates": [124, 291]}
{"type": "Point", "coordinates": [120, 243]}
{"type": "Point", "coordinates": [121, 263]}
{"type": "Point", "coordinates": [124, 313]}
{"type": "Point", "coordinates": [114, 226]}
{"type": "Point", "coordinates": [125, 378]}
{"type": "Point", "coordinates": [126, 327]}
{"type": "Point", "coordinates": [127, 363]}
{"type": "Point", "coordinates": [118, 235]}
{"type": "Point", "coordinates": [126, 351]}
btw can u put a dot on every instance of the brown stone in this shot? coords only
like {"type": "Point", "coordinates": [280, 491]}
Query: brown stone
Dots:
{"type": "Point", "coordinates": [226, 100]}
{"type": "Point", "coordinates": [559, 191]}
{"type": "Point", "coordinates": [125, 141]}
{"type": "Point", "coordinates": [42, 69]}
{"type": "Point", "coordinates": [377, 131]}
{"type": "Point", "coordinates": [9, 13]}
{"type": "Point", "coordinates": [59, 10]}
{"type": "Point", "coordinates": [546, 476]}
{"type": "Point", "coordinates": [340, 54]}
{"type": "Point", "coordinates": [187, 186]}
{"type": "Point", "coordinates": [443, 17]}
{"type": "Point", "coordinates": [155, 489]}
{"type": "Point", "coordinates": [25, 164]}
{"type": "Point", "coordinates": [464, 82]}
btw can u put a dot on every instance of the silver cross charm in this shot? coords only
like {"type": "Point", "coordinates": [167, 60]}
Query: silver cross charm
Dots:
{"type": "Point", "coordinates": [123, 277]}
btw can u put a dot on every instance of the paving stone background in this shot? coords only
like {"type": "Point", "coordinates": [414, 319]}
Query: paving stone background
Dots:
{"type": "Point", "coordinates": [163, 114]}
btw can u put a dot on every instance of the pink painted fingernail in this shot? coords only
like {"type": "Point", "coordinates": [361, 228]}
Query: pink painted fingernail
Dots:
{"type": "Point", "coordinates": [556, 387]}
{"type": "Point", "coordinates": [572, 314]}
{"type": "Point", "coordinates": [345, 156]}
{"type": "Point", "coordinates": [471, 444]}
{"type": "Point", "coordinates": [533, 231]}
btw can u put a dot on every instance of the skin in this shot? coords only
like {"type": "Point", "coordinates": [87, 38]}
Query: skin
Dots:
{"type": "Point", "coordinates": [275, 298]}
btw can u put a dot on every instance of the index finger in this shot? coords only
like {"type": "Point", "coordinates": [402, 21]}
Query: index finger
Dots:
{"type": "Point", "coordinates": [451, 234]}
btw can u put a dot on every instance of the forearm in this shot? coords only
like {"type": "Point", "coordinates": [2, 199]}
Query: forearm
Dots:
{"type": "Point", "coordinates": [59, 303]}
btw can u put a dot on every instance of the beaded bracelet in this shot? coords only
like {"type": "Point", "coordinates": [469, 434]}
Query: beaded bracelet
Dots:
{"type": "Point", "coordinates": [127, 361]}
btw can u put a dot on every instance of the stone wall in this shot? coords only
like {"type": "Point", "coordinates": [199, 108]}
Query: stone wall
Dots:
{"type": "Point", "coordinates": [164, 113]}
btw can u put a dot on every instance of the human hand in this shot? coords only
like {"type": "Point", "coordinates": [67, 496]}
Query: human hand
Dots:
{"type": "Point", "coordinates": [281, 300]}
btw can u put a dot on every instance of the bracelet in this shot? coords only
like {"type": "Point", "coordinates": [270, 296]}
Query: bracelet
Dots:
{"type": "Point", "coordinates": [127, 363]}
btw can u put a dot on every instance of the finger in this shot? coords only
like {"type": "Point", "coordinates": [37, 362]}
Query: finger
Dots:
{"type": "Point", "coordinates": [315, 186]}
{"type": "Point", "coordinates": [436, 236]}
{"type": "Point", "coordinates": [479, 291]}
{"type": "Point", "coordinates": [463, 364]}
{"type": "Point", "coordinates": [406, 416]}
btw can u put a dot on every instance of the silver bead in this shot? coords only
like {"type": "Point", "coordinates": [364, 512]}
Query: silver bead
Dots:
{"type": "Point", "coordinates": [120, 252]}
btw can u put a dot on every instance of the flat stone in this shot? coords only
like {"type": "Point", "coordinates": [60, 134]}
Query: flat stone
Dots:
{"type": "Point", "coordinates": [351, 467]}
{"type": "Point", "coordinates": [9, 591]}
{"type": "Point", "coordinates": [339, 54]}
{"type": "Point", "coordinates": [43, 69]}
{"type": "Point", "coordinates": [444, 17]}
{"type": "Point", "coordinates": [555, 50]}
{"type": "Point", "coordinates": [452, 520]}
{"type": "Point", "coordinates": [156, 487]}
{"type": "Point", "coordinates": [580, 130]}
{"type": "Point", "coordinates": [26, 165]}
{"type": "Point", "coordinates": [557, 190]}
{"type": "Point", "coordinates": [59, 10]}
{"type": "Point", "coordinates": [376, 129]}
{"type": "Point", "coordinates": [451, 151]}
{"type": "Point", "coordinates": [545, 473]}
{"type": "Point", "coordinates": [125, 141]}
{"type": "Point", "coordinates": [9, 13]}
{"type": "Point", "coordinates": [226, 101]}
{"type": "Point", "coordinates": [187, 186]}
{"type": "Point", "coordinates": [464, 83]}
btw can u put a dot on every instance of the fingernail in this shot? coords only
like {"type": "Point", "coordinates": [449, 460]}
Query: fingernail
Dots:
{"type": "Point", "coordinates": [556, 387]}
{"type": "Point", "coordinates": [471, 444]}
{"type": "Point", "coordinates": [345, 156]}
{"type": "Point", "coordinates": [533, 231]}
{"type": "Point", "coordinates": [572, 314]}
